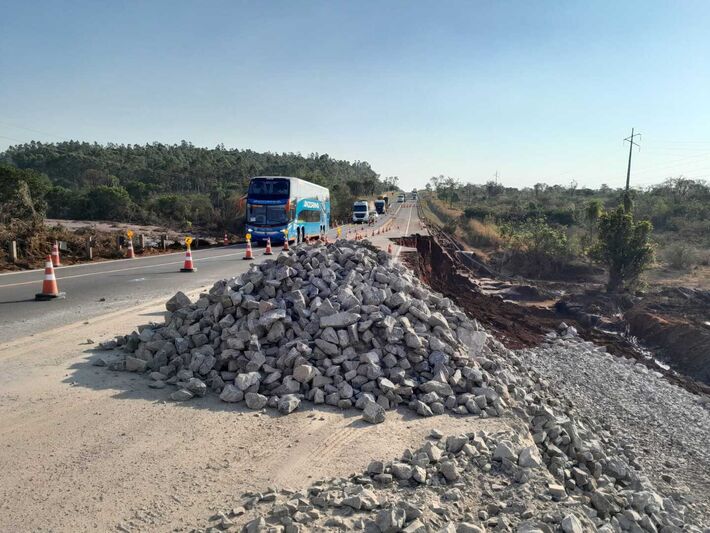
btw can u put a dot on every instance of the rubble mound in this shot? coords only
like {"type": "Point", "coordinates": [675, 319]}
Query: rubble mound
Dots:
{"type": "Point", "coordinates": [339, 324]}
{"type": "Point", "coordinates": [470, 483]}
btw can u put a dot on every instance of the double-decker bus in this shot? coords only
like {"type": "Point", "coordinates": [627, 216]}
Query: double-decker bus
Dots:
{"type": "Point", "coordinates": [278, 203]}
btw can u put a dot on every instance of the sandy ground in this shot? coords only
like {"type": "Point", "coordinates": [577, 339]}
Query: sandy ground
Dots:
{"type": "Point", "coordinates": [84, 448]}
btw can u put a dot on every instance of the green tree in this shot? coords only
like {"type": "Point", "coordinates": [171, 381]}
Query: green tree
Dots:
{"type": "Point", "coordinates": [624, 247]}
{"type": "Point", "coordinates": [108, 203]}
{"type": "Point", "coordinates": [592, 212]}
{"type": "Point", "coordinates": [22, 193]}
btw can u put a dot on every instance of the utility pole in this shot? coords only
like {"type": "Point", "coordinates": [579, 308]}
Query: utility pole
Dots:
{"type": "Point", "coordinates": [631, 142]}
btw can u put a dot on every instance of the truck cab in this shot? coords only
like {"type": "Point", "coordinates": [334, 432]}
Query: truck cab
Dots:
{"type": "Point", "coordinates": [362, 214]}
{"type": "Point", "coordinates": [380, 207]}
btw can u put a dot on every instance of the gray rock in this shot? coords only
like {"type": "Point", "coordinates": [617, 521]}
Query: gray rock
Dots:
{"type": "Point", "coordinates": [249, 379]}
{"type": "Point", "coordinates": [571, 524]}
{"type": "Point", "coordinates": [179, 301]}
{"type": "Point", "coordinates": [304, 373]}
{"type": "Point", "coordinates": [287, 404]}
{"type": "Point", "coordinates": [339, 320]}
{"type": "Point", "coordinates": [505, 450]}
{"type": "Point", "coordinates": [401, 470]}
{"type": "Point", "coordinates": [181, 395]}
{"type": "Point", "coordinates": [440, 388]}
{"type": "Point", "coordinates": [373, 413]}
{"type": "Point", "coordinates": [255, 400]}
{"type": "Point", "coordinates": [529, 457]}
{"type": "Point", "coordinates": [133, 364]}
{"type": "Point", "coordinates": [231, 394]}
{"type": "Point", "coordinates": [449, 470]}
{"type": "Point", "coordinates": [390, 520]}
{"type": "Point", "coordinates": [467, 527]}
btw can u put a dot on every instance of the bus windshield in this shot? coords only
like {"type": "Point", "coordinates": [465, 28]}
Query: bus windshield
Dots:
{"type": "Point", "coordinates": [360, 208]}
{"type": "Point", "coordinates": [267, 215]}
{"type": "Point", "coordinates": [264, 189]}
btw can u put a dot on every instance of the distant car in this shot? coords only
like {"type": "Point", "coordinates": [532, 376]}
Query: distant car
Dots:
{"type": "Point", "coordinates": [400, 198]}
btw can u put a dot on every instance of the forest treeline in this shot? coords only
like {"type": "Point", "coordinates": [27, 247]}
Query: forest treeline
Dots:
{"type": "Point", "coordinates": [180, 184]}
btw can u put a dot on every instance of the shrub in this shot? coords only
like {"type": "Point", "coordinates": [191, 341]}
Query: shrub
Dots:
{"type": "Point", "coordinates": [624, 247]}
{"type": "Point", "coordinates": [681, 256]}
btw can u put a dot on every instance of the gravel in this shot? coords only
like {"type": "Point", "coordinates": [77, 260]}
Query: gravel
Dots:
{"type": "Point", "coordinates": [662, 428]}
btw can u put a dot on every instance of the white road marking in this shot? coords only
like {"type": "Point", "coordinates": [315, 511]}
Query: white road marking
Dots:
{"type": "Point", "coordinates": [121, 270]}
{"type": "Point", "coordinates": [157, 256]}
{"type": "Point", "coordinates": [406, 232]}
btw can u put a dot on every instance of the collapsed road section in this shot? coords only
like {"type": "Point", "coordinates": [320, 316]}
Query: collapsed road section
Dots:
{"type": "Point", "coordinates": [344, 325]}
{"type": "Point", "coordinates": [517, 326]}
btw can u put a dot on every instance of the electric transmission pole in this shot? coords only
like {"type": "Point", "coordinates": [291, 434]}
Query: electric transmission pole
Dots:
{"type": "Point", "coordinates": [631, 142]}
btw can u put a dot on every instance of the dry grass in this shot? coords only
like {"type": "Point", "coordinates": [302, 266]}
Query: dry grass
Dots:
{"type": "Point", "coordinates": [481, 234]}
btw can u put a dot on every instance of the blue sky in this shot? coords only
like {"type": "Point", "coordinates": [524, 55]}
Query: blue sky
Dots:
{"type": "Point", "coordinates": [538, 91]}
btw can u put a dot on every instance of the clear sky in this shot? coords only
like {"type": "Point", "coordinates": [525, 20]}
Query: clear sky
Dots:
{"type": "Point", "coordinates": [536, 90]}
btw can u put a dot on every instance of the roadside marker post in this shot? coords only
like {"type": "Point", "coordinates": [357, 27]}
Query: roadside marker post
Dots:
{"type": "Point", "coordinates": [56, 260]}
{"type": "Point", "coordinates": [130, 254]}
{"type": "Point", "coordinates": [188, 266]}
{"type": "Point", "coordinates": [49, 285]}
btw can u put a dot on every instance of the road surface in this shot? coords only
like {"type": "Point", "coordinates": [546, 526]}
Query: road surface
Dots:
{"type": "Point", "coordinates": [97, 288]}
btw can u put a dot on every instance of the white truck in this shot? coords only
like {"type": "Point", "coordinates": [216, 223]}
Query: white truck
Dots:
{"type": "Point", "coordinates": [363, 212]}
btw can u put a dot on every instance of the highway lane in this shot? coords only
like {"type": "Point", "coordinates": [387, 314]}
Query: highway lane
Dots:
{"type": "Point", "coordinates": [94, 289]}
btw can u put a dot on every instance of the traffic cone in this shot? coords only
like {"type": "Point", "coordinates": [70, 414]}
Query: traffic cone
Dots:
{"type": "Point", "coordinates": [187, 265]}
{"type": "Point", "coordinates": [248, 254]}
{"type": "Point", "coordinates": [268, 247]}
{"type": "Point", "coordinates": [129, 253]}
{"type": "Point", "coordinates": [285, 248]}
{"type": "Point", "coordinates": [49, 286]}
{"type": "Point", "coordinates": [56, 261]}
{"type": "Point", "coordinates": [225, 241]}
{"type": "Point", "coordinates": [389, 248]}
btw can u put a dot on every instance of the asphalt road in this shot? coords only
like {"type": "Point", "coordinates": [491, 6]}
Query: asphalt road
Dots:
{"type": "Point", "coordinates": [94, 289]}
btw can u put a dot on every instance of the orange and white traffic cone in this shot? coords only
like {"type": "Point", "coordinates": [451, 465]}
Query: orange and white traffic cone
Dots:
{"type": "Point", "coordinates": [248, 254]}
{"type": "Point", "coordinates": [225, 241]}
{"type": "Point", "coordinates": [389, 248]}
{"type": "Point", "coordinates": [49, 286]}
{"type": "Point", "coordinates": [268, 250]}
{"type": "Point", "coordinates": [129, 253]}
{"type": "Point", "coordinates": [188, 266]}
{"type": "Point", "coordinates": [56, 261]}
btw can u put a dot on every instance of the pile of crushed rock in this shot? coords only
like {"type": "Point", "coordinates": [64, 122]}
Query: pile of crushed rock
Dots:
{"type": "Point", "coordinates": [339, 324]}
{"type": "Point", "coordinates": [344, 325]}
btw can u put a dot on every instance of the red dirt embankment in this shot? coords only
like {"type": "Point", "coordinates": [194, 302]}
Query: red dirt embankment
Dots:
{"type": "Point", "coordinates": [676, 321]}
{"type": "Point", "coordinates": [515, 326]}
